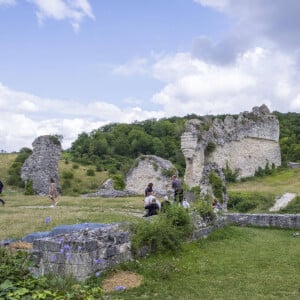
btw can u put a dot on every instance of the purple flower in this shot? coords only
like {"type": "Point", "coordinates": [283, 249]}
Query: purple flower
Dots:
{"type": "Point", "coordinates": [79, 248]}
{"type": "Point", "coordinates": [97, 274]}
{"type": "Point", "coordinates": [53, 258]}
{"type": "Point", "coordinates": [67, 247]}
{"type": "Point", "coordinates": [47, 220]}
{"type": "Point", "coordinates": [68, 256]}
{"type": "Point", "coordinates": [99, 261]}
{"type": "Point", "coordinates": [62, 250]}
{"type": "Point", "coordinates": [120, 288]}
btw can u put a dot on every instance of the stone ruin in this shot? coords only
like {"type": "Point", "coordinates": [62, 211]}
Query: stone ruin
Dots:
{"type": "Point", "coordinates": [243, 144]}
{"type": "Point", "coordinates": [150, 168]}
{"type": "Point", "coordinates": [206, 187]}
{"type": "Point", "coordinates": [42, 164]}
{"type": "Point", "coordinates": [82, 253]}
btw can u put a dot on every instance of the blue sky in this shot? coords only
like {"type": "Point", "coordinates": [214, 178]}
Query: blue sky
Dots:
{"type": "Point", "coordinates": [68, 66]}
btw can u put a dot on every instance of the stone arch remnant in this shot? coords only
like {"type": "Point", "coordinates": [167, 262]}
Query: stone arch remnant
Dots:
{"type": "Point", "coordinates": [42, 164]}
{"type": "Point", "coordinates": [207, 187]}
{"type": "Point", "coordinates": [243, 143]}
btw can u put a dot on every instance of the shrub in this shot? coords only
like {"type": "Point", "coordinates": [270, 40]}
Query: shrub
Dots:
{"type": "Point", "coordinates": [217, 186]}
{"type": "Point", "coordinates": [90, 172]}
{"type": "Point", "coordinates": [230, 176]}
{"type": "Point", "coordinates": [75, 166]}
{"type": "Point", "coordinates": [179, 217]}
{"type": "Point", "coordinates": [211, 146]}
{"type": "Point", "coordinates": [205, 210]}
{"type": "Point", "coordinates": [246, 201]}
{"type": "Point", "coordinates": [158, 235]}
{"type": "Point", "coordinates": [119, 183]}
{"type": "Point", "coordinates": [29, 188]}
{"type": "Point", "coordinates": [67, 174]}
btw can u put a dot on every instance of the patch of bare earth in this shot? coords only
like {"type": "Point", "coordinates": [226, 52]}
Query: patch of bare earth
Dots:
{"type": "Point", "coordinates": [121, 279]}
{"type": "Point", "coordinates": [20, 245]}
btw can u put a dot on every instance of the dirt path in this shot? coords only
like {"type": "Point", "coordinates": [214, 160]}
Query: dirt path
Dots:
{"type": "Point", "coordinates": [283, 201]}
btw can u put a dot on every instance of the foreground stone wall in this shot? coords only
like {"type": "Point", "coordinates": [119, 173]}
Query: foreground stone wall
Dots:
{"type": "Point", "coordinates": [82, 253]}
{"type": "Point", "coordinates": [245, 143]}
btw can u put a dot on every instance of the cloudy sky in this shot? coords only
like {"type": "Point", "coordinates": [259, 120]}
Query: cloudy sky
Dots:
{"type": "Point", "coordinates": [69, 66]}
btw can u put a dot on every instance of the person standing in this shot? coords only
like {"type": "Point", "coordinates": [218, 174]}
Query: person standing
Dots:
{"type": "Point", "coordinates": [53, 193]}
{"type": "Point", "coordinates": [1, 186]}
{"type": "Point", "coordinates": [178, 190]}
{"type": "Point", "coordinates": [149, 189]}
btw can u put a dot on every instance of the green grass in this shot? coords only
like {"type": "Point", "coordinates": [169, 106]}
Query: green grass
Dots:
{"type": "Point", "coordinates": [281, 182]}
{"type": "Point", "coordinates": [233, 263]}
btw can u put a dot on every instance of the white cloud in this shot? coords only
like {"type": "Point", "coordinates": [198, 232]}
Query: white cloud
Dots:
{"type": "Point", "coordinates": [74, 11]}
{"type": "Point", "coordinates": [7, 2]}
{"type": "Point", "coordinates": [24, 117]}
{"type": "Point", "coordinates": [137, 66]}
{"type": "Point", "coordinates": [257, 76]}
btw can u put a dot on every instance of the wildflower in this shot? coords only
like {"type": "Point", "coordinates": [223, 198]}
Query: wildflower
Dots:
{"type": "Point", "coordinates": [79, 248]}
{"type": "Point", "coordinates": [97, 274]}
{"type": "Point", "coordinates": [99, 261]}
{"type": "Point", "coordinates": [53, 258]}
{"type": "Point", "coordinates": [68, 256]}
{"type": "Point", "coordinates": [120, 288]}
{"type": "Point", "coordinates": [47, 220]}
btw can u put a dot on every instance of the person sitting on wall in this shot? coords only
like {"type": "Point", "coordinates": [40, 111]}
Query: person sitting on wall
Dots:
{"type": "Point", "coordinates": [216, 205]}
{"type": "Point", "coordinates": [152, 208]}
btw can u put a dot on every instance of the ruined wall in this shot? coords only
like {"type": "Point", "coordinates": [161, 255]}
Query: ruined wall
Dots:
{"type": "Point", "coordinates": [150, 168]}
{"type": "Point", "coordinates": [245, 143]}
{"type": "Point", "coordinates": [42, 164]}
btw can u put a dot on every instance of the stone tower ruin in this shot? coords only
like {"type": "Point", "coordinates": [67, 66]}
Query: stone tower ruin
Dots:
{"type": "Point", "coordinates": [42, 164]}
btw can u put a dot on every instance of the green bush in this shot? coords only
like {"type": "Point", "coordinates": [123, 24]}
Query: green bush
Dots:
{"type": "Point", "coordinates": [217, 186]}
{"type": "Point", "coordinates": [211, 146]}
{"type": "Point", "coordinates": [293, 207]}
{"type": "Point", "coordinates": [230, 176]}
{"type": "Point", "coordinates": [67, 174]}
{"type": "Point", "coordinates": [247, 201]}
{"type": "Point", "coordinates": [179, 217]}
{"type": "Point", "coordinates": [164, 232]}
{"type": "Point", "coordinates": [75, 166]}
{"type": "Point", "coordinates": [119, 183]}
{"type": "Point", "coordinates": [29, 188]}
{"type": "Point", "coordinates": [246, 206]}
{"type": "Point", "coordinates": [90, 172]}
{"type": "Point", "coordinates": [158, 235]}
{"type": "Point", "coordinates": [17, 282]}
{"type": "Point", "coordinates": [205, 210]}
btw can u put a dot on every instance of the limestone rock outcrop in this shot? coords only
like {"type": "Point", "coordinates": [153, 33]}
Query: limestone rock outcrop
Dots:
{"type": "Point", "coordinates": [150, 168]}
{"type": "Point", "coordinates": [42, 164]}
{"type": "Point", "coordinates": [244, 143]}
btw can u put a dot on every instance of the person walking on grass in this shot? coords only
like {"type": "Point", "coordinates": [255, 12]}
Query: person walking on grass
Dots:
{"type": "Point", "coordinates": [53, 193]}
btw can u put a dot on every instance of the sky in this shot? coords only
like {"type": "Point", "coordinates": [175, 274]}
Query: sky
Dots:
{"type": "Point", "coordinates": [72, 66]}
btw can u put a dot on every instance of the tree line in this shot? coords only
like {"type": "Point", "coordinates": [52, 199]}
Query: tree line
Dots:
{"type": "Point", "coordinates": [113, 147]}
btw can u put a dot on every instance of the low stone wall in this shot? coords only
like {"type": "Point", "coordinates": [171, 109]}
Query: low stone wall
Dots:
{"type": "Point", "coordinates": [83, 250]}
{"type": "Point", "coordinates": [265, 220]}
{"type": "Point", "coordinates": [82, 253]}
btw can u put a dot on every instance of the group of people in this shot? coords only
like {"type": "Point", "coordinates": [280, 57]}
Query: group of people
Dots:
{"type": "Point", "coordinates": [152, 205]}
